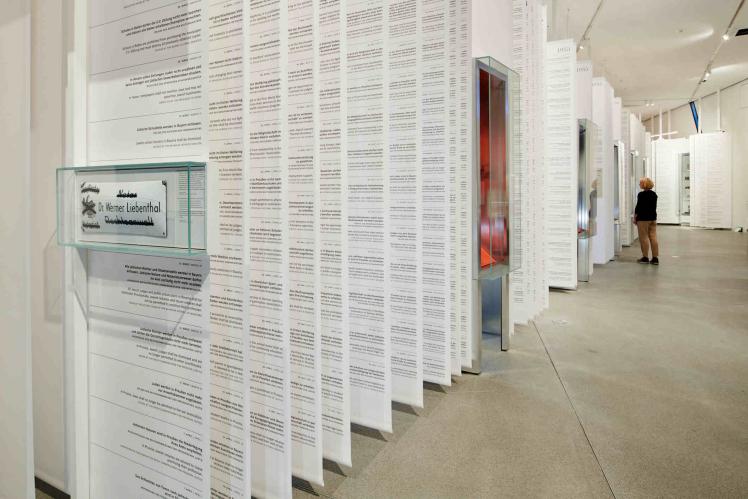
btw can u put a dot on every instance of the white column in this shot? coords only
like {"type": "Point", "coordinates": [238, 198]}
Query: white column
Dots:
{"type": "Point", "coordinates": [47, 153]}
{"type": "Point", "coordinates": [16, 422]}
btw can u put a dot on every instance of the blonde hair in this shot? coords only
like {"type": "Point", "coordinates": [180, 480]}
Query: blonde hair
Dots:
{"type": "Point", "coordinates": [648, 184]}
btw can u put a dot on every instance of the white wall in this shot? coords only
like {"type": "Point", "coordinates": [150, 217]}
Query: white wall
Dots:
{"type": "Point", "coordinates": [734, 117]}
{"type": "Point", "coordinates": [16, 434]}
{"type": "Point", "coordinates": [492, 29]}
{"type": "Point", "coordinates": [47, 153]}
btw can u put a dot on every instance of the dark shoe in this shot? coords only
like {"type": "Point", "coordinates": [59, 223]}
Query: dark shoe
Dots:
{"type": "Point", "coordinates": [655, 261]}
{"type": "Point", "coordinates": [643, 259]}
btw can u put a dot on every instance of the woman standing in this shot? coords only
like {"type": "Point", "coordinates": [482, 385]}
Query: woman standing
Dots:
{"type": "Point", "coordinates": [645, 216]}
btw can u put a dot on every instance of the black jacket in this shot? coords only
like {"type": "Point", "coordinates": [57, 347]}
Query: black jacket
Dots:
{"type": "Point", "coordinates": [646, 206]}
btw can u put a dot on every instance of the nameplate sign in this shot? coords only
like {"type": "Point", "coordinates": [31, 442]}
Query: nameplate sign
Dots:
{"type": "Point", "coordinates": [123, 208]}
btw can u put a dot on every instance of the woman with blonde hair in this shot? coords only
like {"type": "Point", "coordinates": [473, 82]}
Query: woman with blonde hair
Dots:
{"type": "Point", "coordinates": [645, 217]}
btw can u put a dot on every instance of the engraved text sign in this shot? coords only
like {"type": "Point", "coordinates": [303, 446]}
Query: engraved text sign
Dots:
{"type": "Point", "coordinates": [123, 208]}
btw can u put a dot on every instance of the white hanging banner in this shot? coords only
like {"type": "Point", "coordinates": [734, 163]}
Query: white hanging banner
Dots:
{"type": "Point", "coordinates": [331, 105]}
{"type": "Point", "coordinates": [465, 168]}
{"type": "Point", "coordinates": [267, 234]}
{"type": "Point", "coordinates": [519, 284]}
{"type": "Point", "coordinates": [711, 180]}
{"type": "Point", "coordinates": [303, 300]}
{"type": "Point", "coordinates": [528, 286]}
{"type": "Point", "coordinates": [148, 379]}
{"type": "Point", "coordinates": [602, 109]}
{"type": "Point", "coordinates": [434, 191]}
{"type": "Point", "coordinates": [132, 50]}
{"type": "Point", "coordinates": [403, 240]}
{"type": "Point", "coordinates": [230, 447]}
{"type": "Point", "coordinates": [539, 41]}
{"type": "Point", "coordinates": [367, 221]}
{"type": "Point", "coordinates": [455, 295]}
{"type": "Point", "coordinates": [561, 165]}
{"type": "Point", "coordinates": [146, 103]}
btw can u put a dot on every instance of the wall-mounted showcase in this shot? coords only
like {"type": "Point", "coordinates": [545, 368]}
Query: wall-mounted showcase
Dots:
{"type": "Point", "coordinates": [496, 108]}
{"type": "Point", "coordinates": [156, 208]}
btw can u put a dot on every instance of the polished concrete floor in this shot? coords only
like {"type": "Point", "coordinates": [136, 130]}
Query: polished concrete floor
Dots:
{"type": "Point", "coordinates": [636, 385]}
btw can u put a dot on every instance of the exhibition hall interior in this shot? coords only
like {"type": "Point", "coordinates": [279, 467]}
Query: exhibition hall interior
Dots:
{"type": "Point", "coordinates": [374, 249]}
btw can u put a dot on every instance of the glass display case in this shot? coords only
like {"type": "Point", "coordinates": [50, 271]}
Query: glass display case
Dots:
{"type": "Point", "coordinates": [496, 243]}
{"type": "Point", "coordinates": [156, 208]}
{"type": "Point", "coordinates": [587, 194]}
{"type": "Point", "coordinates": [496, 134]}
{"type": "Point", "coordinates": [636, 173]}
{"type": "Point", "coordinates": [684, 161]}
{"type": "Point", "coordinates": [618, 163]}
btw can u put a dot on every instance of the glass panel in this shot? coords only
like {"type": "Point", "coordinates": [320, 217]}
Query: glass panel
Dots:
{"type": "Point", "coordinates": [484, 136]}
{"type": "Point", "coordinates": [497, 189]}
{"type": "Point", "coordinates": [155, 208]}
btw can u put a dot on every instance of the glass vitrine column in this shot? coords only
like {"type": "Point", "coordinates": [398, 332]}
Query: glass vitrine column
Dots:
{"type": "Point", "coordinates": [618, 158]}
{"type": "Point", "coordinates": [586, 198]}
{"type": "Point", "coordinates": [495, 145]}
{"type": "Point", "coordinates": [684, 210]}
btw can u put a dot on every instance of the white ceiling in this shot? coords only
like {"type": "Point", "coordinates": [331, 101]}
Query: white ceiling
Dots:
{"type": "Point", "coordinates": [656, 50]}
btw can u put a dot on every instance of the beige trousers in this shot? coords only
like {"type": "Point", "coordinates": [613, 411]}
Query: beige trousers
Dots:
{"type": "Point", "coordinates": [647, 237]}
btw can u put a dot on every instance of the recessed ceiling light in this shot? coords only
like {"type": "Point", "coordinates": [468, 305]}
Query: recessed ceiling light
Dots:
{"type": "Point", "coordinates": [725, 37]}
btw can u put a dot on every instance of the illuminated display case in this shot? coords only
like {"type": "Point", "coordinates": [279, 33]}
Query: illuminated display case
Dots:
{"type": "Point", "coordinates": [156, 208]}
{"type": "Point", "coordinates": [495, 241]}
{"type": "Point", "coordinates": [496, 136]}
